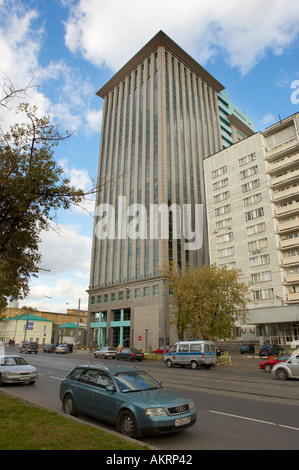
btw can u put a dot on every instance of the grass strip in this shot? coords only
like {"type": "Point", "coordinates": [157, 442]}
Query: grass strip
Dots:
{"type": "Point", "coordinates": [28, 427]}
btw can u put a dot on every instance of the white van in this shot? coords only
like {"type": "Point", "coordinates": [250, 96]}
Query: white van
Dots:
{"type": "Point", "coordinates": [192, 353]}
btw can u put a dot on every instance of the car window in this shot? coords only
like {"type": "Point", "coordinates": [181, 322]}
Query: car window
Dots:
{"type": "Point", "coordinates": [295, 360]}
{"type": "Point", "coordinates": [136, 381]}
{"type": "Point", "coordinates": [195, 347]}
{"type": "Point", "coordinates": [184, 348]}
{"type": "Point", "coordinates": [103, 379]}
{"type": "Point", "coordinates": [75, 373]}
{"type": "Point", "coordinates": [89, 376]}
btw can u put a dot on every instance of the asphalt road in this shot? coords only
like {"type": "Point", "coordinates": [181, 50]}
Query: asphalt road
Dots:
{"type": "Point", "coordinates": [239, 407]}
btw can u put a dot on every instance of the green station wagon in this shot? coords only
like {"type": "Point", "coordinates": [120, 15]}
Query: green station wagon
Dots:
{"type": "Point", "coordinates": [128, 397]}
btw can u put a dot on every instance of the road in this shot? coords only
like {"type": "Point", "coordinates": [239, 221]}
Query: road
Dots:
{"type": "Point", "coordinates": [239, 407]}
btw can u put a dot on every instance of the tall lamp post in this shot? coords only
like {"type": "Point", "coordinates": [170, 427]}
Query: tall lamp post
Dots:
{"type": "Point", "coordinates": [77, 328]}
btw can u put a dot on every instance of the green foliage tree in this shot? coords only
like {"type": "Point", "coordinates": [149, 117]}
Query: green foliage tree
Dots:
{"type": "Point", "coordinates": [32, 189]}
{"type": "Point", "coordinates": [208, 301]}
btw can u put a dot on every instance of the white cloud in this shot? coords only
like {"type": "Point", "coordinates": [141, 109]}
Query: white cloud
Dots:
{"type": "Point", "coordinates": [64, 276]}
{"type": "Point", "coordinates": [268, 119]}
{"type": "Point", "coordinates": [22, 38]}
{"type": "Point", "coordinates": [109, 32]}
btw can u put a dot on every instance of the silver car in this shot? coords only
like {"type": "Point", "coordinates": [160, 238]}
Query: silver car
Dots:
{"type": "Point", "coordinates": [287, 370]}
{"type": "Point", "coordinates": [106, 352]}
{"type": "Point", "coordinates": [15, 369]}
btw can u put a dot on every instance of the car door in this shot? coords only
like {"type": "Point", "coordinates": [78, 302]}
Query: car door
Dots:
{"type": "Point", "coordinates": [293, 364]}
{"type": "Point", "coordinates": [84, 387]}
{"type": "Point", "coordinates": [104, 402]}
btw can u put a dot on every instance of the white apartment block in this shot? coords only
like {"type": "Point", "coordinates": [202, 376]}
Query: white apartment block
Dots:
{"type": "Point", "coordinates": [252, 199]}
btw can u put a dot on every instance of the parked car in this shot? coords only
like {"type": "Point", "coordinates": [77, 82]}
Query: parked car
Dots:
{"type": "Point", "coordinates": [130, 354]}
{"type": "Point", "coordinates": [128, 397]}
{"type": "Point", "coordinates": [106, 352]}
{"type": "Point", "coordinates": [29, 347]}
{"type": "Point", "coordinates": [270, 363]}
{"type": "Point", "coordinates": [160, 350]}
{"type": "Point", "coordinates": [62, 349]}
{"type": "Point", "coordinates": [247, 348]}
{"type": "Point", "coordinates": [49, 348]}
{"type": "Point", "coordinates": [272, 350]}
{"type": "Point", "coordinates": [15, 369]}
{"type": "Point", "coordinates": [287, 370]}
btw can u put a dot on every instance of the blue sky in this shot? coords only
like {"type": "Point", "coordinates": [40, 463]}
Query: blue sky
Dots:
{"type": "Point", "coordinates": [70, 48]}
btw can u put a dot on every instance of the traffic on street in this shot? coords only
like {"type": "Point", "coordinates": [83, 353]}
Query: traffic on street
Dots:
{"type": "Point", "coordinates": [238, 406]}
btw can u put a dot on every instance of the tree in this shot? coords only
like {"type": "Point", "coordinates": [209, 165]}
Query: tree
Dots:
{"type": "Point", "coordinates": [208, 301]}
{"type": "Point", "coordinates": [32, 189]}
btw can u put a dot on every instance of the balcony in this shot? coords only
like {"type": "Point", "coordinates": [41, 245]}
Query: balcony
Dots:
{"type": "Point", "coordinates": [289, 243]}
{"type": "Point", "coordinates": [286, 164]}
{"type": "Point", "coordinates": [290, 177]}
{"type": "Point", "coordinates": [283, 149]}
{"type": "Point", "coordinates": [289, 193]}
{"type": "Point", "coordinates": [292, 279]}
{"type": "Point", "coordinates": [286, 211]}
{"type": "Point", "coordinates": [290, 226]}
{"type": "Point", "coordinates": [290, 261]}
{"type": "Point", "coordinates": [293, 297]}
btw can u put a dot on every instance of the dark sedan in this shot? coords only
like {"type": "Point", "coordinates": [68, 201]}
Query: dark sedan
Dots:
{"type": "Point", "coordinates": [130, 354]}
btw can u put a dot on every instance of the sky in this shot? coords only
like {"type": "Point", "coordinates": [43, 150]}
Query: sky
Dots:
{"type": "Point", "coordinates": [68, 49]}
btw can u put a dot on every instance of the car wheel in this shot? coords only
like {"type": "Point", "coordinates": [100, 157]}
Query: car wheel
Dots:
{"type": "Point", "coordinates": [1, 381]}
{"type": "Point", "coordinates": [169, 363]}
{"type": "Point", "coordinates": [267, 368]}
{"type": "Point", "coordinates": [281, 374]}
{"type": "Point", "coordinates": [69, 406]}
{"type": "Point", "coordinates": [32, 382]}
{"type": "Point", "coordinates": [194, 365]}
{"type": "Point", "coordinates": [127, 424]}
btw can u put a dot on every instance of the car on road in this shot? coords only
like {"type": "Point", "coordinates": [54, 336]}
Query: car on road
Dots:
{"type": "Point", "coordinates": [49, 348]}
{"type": "Point", "coordinates": [287, 370]}
{"type": "Point", "coordinates": [130, 354]}
{"type": "Point", "coordinates": [160, 350]}
{"type": "Point", "coordinates": [15, 369]}
{"type": "Point", "coordinates": [105, 352]}
{"type": "Point", "coordinates": [247, 348]}
{"type": "Point", "coordinates": [62, 349]}
{"type": "Point", "coordinates": [270, 363]}
{"type": "Point", "coordinates": [29, 347]}
{"type": "Point", "coordinates": [128, 397]}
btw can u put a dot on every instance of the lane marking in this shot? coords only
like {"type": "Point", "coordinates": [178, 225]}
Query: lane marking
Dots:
{"type": "Point", "coordinates": [253, 419]}
{"type": "Point", "coordinates": [52, 377]}
{"type": "Point", "coordinates": [243, 417]}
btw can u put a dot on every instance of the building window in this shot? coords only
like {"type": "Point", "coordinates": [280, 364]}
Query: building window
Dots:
{"type": "Point", "coordinates": [226, 237]}
{"type": "Point", "coordinates": [252, 199]}
{"type": "Point", "coordinates": [105, 297]}
{"type": "Point", "coordinates": [261, 277]}
{"type": "Point", "coordinates": [222, 210]}
{"type": "Point", "coordinates": [259, 260]}
{"type": "Point", "coordinates": [99, 299]}
{"type": "Point", "coordinates": [120, 296]}
{"type": "Point", "coordinates": [155, 290]}
{"type": "Point", "coordinates": [226, 252]}
{"type": "Point", "coordinates": [263, 294]}
{"type": "Point", "coordinates": [247, 159]}
{"type": "Point", "coordinates": [258, 228]}
{"type": "Point", "coordinates": [254, 214]}
{"type": "Point", "coordinates": [92, 300]}
{"type": "Point", "coordinates": [146, 292]}
{"type": "Point", "coordinates": [221, 197]}
{"type": "Point", "coordinates": [137, 293]}
{"type": "Point", "coordinates": [249, 172]}
{"type": "Point", "coordinates": [219, 171]}
{"type": "Point", "coordinates": [128, 295]}
{"type": "Point", "coordinates": [250, 185]}
{"type": "Point", "coordinates": [220, 184]}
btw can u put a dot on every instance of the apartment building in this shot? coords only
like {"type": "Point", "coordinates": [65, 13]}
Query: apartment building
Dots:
{"type": "Point", "coordinates": [252, 197]}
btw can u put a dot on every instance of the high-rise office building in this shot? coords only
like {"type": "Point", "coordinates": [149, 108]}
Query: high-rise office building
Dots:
{"type": "Point", "coordinates": [253, 219]}
{"type": "Point", "coordinates": [160, 121]}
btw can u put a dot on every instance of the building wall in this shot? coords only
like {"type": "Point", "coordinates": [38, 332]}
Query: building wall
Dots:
{"type": "Point", "coordinates": [253, 219]}
{"type": "Point", "coordinates": [160, 120]}
{"type": "Point", "coordinates": [39, 331]}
